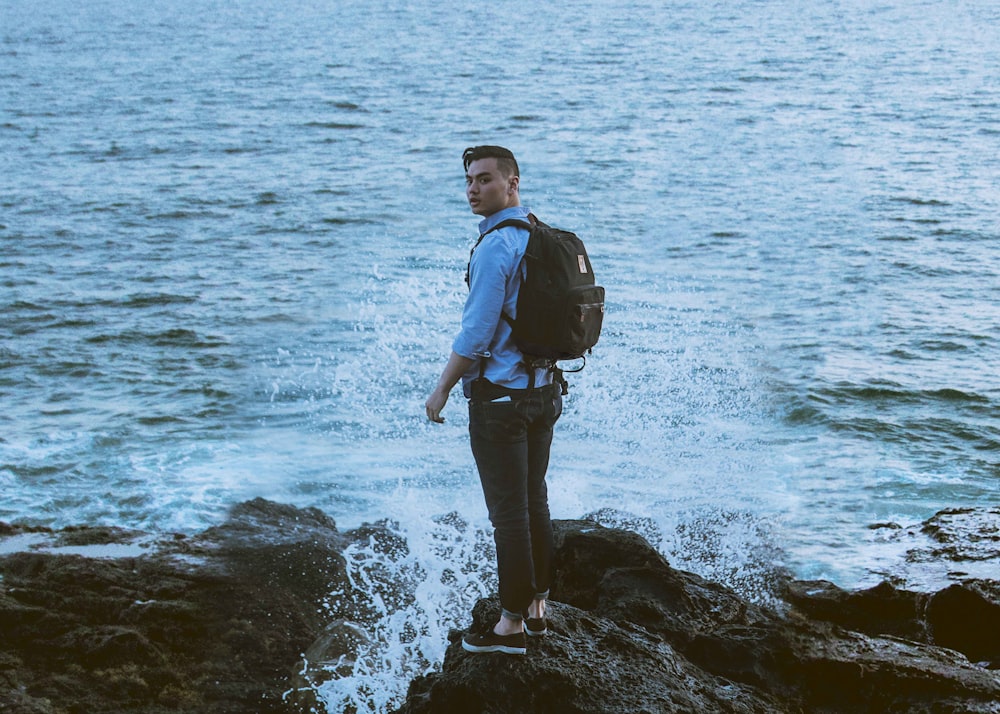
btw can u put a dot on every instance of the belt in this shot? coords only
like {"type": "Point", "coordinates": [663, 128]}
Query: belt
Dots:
{"type": "Point", "coordinates": [483, 390]}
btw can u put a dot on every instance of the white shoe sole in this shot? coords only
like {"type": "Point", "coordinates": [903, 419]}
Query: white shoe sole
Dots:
{"type": "Point", "coordinates": [506, 649]}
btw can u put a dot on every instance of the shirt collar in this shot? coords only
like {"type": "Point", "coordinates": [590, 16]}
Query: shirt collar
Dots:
{"type": "Point", "coordinates": [489, 222]}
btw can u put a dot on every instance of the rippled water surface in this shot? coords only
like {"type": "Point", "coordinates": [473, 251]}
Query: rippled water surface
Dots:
{"type": "Point", "coordinates": [233, 237]}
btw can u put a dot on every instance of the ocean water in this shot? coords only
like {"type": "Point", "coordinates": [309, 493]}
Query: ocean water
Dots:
{"type": "Point", "coordinates": [233, 238]}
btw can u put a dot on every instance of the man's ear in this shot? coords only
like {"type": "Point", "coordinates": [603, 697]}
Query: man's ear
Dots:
{"type": "Point", "coordinates": [512, 184]}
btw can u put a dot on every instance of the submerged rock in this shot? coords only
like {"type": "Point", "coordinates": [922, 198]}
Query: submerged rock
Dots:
{"type": "Point", "coordinates": [956, 545]}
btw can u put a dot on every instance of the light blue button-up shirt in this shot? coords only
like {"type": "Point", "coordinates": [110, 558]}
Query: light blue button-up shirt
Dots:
{"type": "Point", "coordinates": [495, 272]}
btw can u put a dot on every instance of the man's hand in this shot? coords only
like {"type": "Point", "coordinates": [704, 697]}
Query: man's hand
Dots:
{"type": "Point", "coordinates": [435, 403]}
{"type": "Point", "coordinates": [453, 371]}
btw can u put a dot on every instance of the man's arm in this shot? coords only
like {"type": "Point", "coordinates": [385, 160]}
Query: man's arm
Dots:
{"type": "Point", "coordinates": [453, 371]}
{"type": "Point", "coordinates": [489, 270]}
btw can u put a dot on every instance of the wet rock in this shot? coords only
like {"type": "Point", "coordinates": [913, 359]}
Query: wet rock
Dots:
{"type": "Point", "coordinates": [965, 534]}
{"type": "Point", "coordinates": [881, 610]}
{"type": "Point", "coordinates": [967, 618]}
{"type": "Point", "coordinates": [587, 663]}
{"type": "Point", "coordinates": [953, 546]}
{"type": "Point", "coordinates": [95, 535]}
{"type": "Point", "coordinates": [213, 623]}
{"type": "Point", "coordinates": [631, 634]}
{"type": "Point", "coordinates": [964, 616]}
{"type": "Point", "coordinates": [234, 620]}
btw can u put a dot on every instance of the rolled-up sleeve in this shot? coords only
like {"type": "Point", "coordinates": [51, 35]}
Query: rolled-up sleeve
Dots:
{"type": "Point", "coordinates": [490, 269]}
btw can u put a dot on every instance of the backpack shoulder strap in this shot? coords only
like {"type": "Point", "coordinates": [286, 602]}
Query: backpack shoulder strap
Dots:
{"type": "Point", "coordinates": [517, 222]}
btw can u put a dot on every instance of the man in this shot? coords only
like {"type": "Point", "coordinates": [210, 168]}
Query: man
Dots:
{"type": "Point", "coordinates": [513, 404]}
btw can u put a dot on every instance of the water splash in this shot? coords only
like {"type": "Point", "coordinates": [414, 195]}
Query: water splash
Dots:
{"type": "Point", "coordinates": [408, 591]}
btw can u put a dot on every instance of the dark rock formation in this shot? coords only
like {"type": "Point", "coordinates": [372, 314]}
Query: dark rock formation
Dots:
{"type": "Point", "coordinates": [219, 622]}
{"type": "Point", "coordinates": [630, 634]}
{"type": "Point", "coordinates": [207, 624]}
{"type": "Point", "coordinates": [963, 617]}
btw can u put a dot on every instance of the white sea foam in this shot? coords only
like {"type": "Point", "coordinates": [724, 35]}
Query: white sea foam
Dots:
{"type": "Point", "coordinates": [412, 595]}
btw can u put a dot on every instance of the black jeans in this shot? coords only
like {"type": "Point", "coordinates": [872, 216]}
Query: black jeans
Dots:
{"type": "Point", "coordinates": [510, 441]}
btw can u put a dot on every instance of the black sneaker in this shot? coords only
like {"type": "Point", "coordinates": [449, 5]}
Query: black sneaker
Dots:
{"type": "Point", "coordinates": [490, 641]}
{"type": "Point", "coordinates": [536, 626]}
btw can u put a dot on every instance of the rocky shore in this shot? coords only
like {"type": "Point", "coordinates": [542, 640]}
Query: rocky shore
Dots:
{"type": "Point", "coordinates": [219, 623]}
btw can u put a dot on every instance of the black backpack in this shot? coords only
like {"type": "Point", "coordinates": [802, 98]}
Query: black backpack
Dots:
{"type": "Point", "coordinates": [560, 309]}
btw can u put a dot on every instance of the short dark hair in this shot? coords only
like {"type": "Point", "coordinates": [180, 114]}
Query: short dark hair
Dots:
{"type": "Point", "coordinates": [505, 158]}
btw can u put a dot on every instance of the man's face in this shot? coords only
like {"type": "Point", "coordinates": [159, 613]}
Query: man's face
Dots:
{"type": "Point", "coordinates": [487, 190]}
